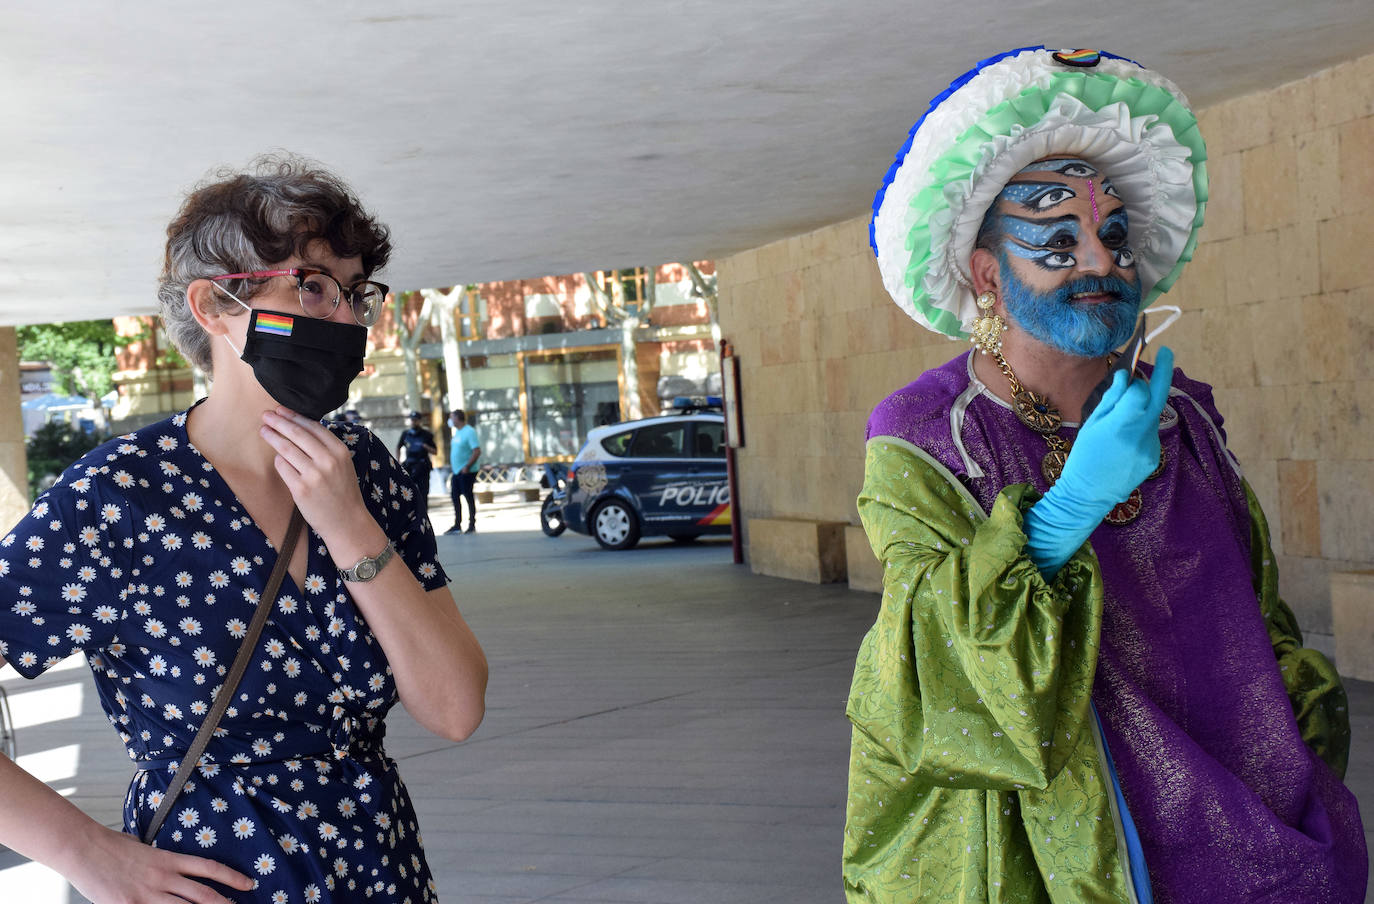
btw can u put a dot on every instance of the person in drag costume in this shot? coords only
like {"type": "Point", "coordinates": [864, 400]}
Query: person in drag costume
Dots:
{"type": "Point", "coordinates": [1082, 684]}
{"type": "Point", "coordinates": [152, 554]}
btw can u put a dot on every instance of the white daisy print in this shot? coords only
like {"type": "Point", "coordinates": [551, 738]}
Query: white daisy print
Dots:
{"type": "Point", "coordinates": [243, 828]}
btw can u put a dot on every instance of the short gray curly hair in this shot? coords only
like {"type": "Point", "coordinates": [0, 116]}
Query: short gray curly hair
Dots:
{"type": "Point", "coordinates": [239, 221]}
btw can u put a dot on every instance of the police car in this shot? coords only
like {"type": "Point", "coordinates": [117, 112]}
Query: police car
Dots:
{"type": "Point", "coordinates": [660, 476]}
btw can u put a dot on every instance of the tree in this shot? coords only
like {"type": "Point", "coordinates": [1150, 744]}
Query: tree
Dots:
{"type": "Point", "coordinates": [52, 448]}
{"type": "Point", "coordinates": [444, 304]}
{"type": "Point", "coordinates": [611, 304]}
{"type": "Point", "coordinates": [410, 344]}
{"type": "Point", "coordinates": [81, 353]}
{"type": "Point", "coordinates": [704, 287]}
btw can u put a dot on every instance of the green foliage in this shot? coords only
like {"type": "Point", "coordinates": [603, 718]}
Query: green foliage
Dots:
{"type": "Point", "coordinates": [52, 448]}
{"type": "Point", "coordinates": [81, 354]}
{"type": "Point", "coordinates": [167, 356]}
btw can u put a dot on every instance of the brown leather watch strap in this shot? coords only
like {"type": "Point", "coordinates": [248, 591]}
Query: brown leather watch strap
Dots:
{"type": "Point", "coordinates": [231, 681]}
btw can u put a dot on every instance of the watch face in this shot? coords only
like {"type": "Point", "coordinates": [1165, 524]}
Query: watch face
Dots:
{"type": "Point", "coordinates": [366, 571]}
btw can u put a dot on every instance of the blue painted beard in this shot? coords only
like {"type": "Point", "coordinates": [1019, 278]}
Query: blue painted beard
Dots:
{"type": "Point", "coordinates": [1088, 331]}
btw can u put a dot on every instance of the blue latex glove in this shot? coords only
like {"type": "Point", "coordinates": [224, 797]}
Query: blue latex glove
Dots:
{"type": "Point", "coordinates": [1116, 449]}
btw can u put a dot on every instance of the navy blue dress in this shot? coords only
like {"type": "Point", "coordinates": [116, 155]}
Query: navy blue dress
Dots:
{"type": "Point", "coordinates": [141, 558]}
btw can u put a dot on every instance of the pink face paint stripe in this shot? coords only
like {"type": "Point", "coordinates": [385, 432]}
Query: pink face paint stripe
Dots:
{"type": "Point", "coordinates": [1092, 196]}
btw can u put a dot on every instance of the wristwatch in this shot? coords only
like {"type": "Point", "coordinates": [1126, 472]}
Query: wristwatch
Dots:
{"type": "Point", "coordinates": [368, 567]}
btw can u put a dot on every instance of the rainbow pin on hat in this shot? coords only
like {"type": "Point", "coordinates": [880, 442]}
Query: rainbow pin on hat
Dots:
{"type": "Point", "coordinates": [1007, 112]}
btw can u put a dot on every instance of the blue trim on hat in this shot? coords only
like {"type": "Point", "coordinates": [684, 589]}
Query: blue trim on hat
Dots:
{"type": "Point", "coordinates": [935, 102]}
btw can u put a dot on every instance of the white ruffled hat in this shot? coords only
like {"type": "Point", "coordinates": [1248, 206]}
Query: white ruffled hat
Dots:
{"type": "Point", "coordinates": [1007, 112]}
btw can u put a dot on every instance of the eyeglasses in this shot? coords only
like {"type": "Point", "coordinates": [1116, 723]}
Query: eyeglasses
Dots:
{"type": "Point", "coordinates": [319, 293]}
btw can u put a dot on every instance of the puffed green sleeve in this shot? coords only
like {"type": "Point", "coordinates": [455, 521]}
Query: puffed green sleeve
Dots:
{"type": "Point", "coordinates": [1314, 687]}
{"type": "Point", "coordinates": [977, 673]}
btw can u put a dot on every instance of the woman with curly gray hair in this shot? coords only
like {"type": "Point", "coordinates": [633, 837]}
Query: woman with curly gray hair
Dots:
{"type": "Point", "coordinates": [153, 554]}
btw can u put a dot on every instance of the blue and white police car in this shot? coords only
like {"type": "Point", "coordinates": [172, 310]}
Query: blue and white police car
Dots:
{"type": "Point", "coordinates": [660, 476]}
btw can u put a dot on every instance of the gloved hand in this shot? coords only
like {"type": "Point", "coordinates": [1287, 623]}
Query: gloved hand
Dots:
{"type": "Point", "coordinates": [1116, 449]}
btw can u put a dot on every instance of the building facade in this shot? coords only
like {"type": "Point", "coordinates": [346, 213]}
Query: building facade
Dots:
{"type": "Point", "coordinates": [542, 360]}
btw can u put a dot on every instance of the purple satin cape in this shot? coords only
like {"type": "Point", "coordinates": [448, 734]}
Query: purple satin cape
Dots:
{"type": "Point", "coordinates": [1230, 804]}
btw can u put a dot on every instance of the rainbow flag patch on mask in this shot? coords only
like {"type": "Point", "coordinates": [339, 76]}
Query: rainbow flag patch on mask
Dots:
{"type": "Point", "coordinates": [276, 324]}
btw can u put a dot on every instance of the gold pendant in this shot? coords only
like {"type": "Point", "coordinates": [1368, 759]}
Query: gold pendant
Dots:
{"type": "Point", "coordinates": [1052, 465]}
{"type": "Point", "coordinates": [1036, 411]}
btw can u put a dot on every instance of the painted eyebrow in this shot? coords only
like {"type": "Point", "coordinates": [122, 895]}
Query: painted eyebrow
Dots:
{"type": "Point", "coordinates": [1116, 216]}
{"type": "Point", "coordinates": [1040, 230]}
{"type": "Point", "coordinates": [1059, 165]}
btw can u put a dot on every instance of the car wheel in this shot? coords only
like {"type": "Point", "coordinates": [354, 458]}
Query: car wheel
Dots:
{"type": "Point", "coordinates": [551, 517]}
{"type": "Point", "coordinates": [614, 525]}
{"type": "Point", "coordinates": [684, 538]}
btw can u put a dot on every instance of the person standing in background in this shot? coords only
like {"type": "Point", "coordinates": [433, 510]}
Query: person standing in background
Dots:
{"type": "Point", "coordinates": [418, 445]}
{"type": "Point", "coordinates": [463, 454]}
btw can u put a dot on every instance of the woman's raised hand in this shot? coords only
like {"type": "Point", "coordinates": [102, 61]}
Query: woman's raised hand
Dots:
{"type": "Point", "coordinates": [316, 466]}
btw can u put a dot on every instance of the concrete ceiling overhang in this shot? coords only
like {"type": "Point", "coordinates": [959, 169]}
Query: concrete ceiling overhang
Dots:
{"type": "Point", "coordinates": [513, 140]}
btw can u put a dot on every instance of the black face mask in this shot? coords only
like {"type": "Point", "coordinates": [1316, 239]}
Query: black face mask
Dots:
{"type": "Point", "coordinates": [304, 363]}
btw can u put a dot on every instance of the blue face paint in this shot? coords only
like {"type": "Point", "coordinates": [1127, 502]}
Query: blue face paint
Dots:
{"type": "Point", "coordinates": [1113, 233]}
{"type": "Point", "coordinates": [1037, 197]}
{"type": "Point", "coordinates": [1070, 166]}
{"type": "Point", "coordinates": [1046, 243]}
{"type": "Point", "coordinates": [1085, 330]}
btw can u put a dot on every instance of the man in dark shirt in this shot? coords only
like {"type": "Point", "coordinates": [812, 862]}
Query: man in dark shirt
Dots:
{"type": "Point", "coordinates": [413, 450]}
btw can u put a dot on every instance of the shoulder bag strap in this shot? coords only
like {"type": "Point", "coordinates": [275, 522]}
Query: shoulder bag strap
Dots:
{"type": "Point", "coordinates": [231, 683]}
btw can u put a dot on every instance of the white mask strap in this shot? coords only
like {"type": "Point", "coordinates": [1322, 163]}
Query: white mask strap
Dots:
{"type": "Point", "coordinates": [1175, 313]}
{"type": "Point", "coordinates": [237, 351]}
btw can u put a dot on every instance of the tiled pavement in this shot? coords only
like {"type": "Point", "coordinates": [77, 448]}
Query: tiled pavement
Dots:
{"type": "Point", "coordinates": [662, 726]}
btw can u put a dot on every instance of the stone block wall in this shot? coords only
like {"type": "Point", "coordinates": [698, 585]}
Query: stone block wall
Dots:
{"type": "Point", "coordinates": [1279, 317]}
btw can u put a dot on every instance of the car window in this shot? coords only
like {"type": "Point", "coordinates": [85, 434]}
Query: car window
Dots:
{"type": "Point", "coordinates": [660, 441]}
{"type": "Point", "coordinates": [710, 439]}
{"type": "Point", "coordinates": [618, 443]}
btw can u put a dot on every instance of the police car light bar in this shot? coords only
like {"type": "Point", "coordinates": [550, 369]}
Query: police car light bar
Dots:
{"type": "Point", "coordinates": [687, 403]}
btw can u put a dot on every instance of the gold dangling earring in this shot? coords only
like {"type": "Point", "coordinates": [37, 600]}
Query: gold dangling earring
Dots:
{"type": "Point", "coordinates": [987, 329]}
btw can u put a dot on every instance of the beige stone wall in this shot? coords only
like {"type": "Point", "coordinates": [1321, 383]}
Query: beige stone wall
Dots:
{"type": "Point", "coordinates": [1279, 304]}
{"type": "Point", "coordinates": [14, 468]}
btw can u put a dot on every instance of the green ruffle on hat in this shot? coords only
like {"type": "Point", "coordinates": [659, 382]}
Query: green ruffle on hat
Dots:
{"type": "Point", "coordinates": [1008, 112]}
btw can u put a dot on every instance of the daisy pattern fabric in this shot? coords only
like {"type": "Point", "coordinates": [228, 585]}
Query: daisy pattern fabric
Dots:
{"type": "Point", "coordinates": [141, 558]}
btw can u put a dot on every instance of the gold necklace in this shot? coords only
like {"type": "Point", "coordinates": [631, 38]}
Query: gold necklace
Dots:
{"type": "Point", "coordinates": [1037, 412]}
